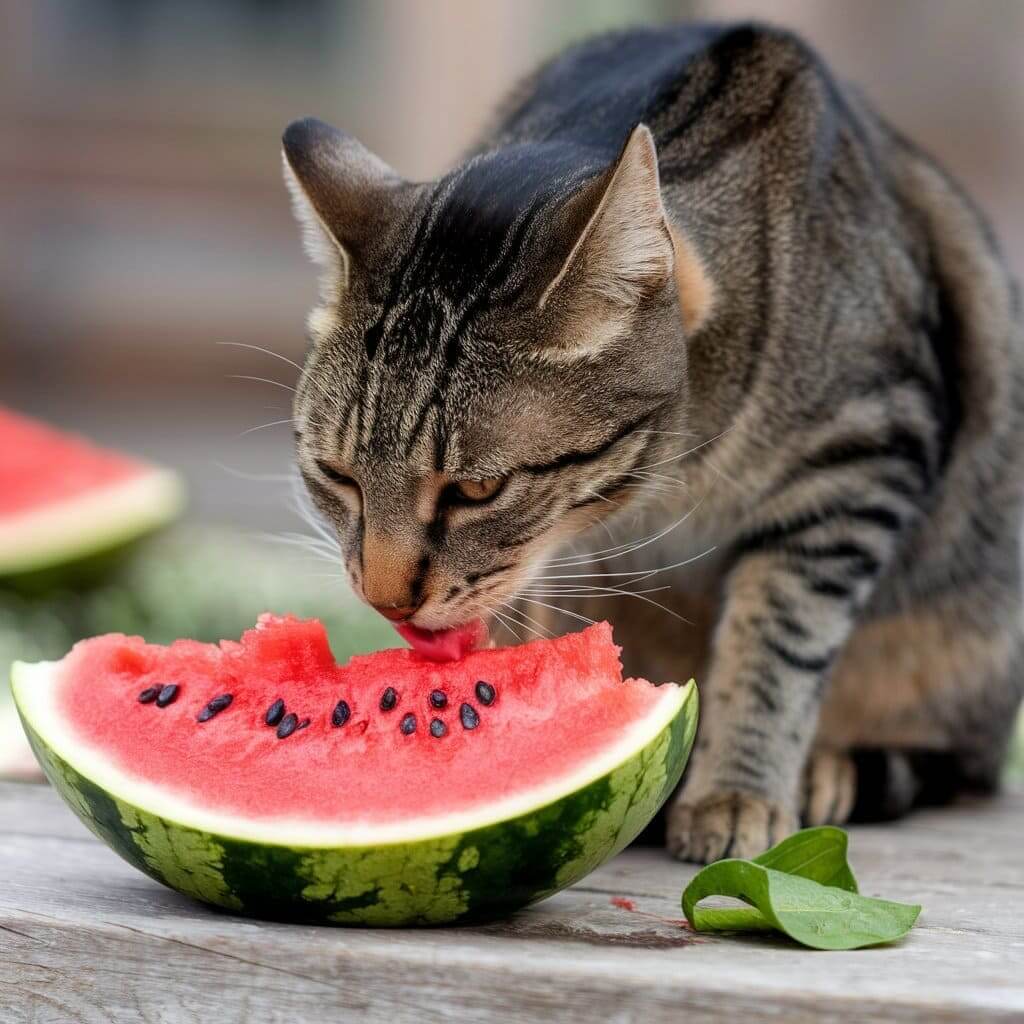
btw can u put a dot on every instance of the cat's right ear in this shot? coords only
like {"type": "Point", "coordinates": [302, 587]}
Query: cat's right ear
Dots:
{"type": "Point", "coordinates": [339, 190]}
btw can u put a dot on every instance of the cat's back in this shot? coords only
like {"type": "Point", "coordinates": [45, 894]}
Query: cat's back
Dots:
{"type": "Point", "coordinates": [595, 92]}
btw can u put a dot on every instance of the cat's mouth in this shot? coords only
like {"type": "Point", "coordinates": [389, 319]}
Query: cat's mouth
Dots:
{"type": "Point", "coordinates": [445, 644]}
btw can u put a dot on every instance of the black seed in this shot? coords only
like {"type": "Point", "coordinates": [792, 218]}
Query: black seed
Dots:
{"type": "Point", "coordinates": [149, 694]}
{"type": "Point", "coordinates": [408, 725]}
{"type": "Point", "coordinates": [288, 725]}
{"type": "Point", "coordinates": [304, 724]}
{"type": "Point", "coordinates": [167, 695]}
{"type": "Point", "coordinates": [470, 719]}
{"type": "Point", "coordinates": [438, 699]}
{"type": "Point", "coordinates": [341, 714]}
{"type": "Point", "coordinates": [388, 699]}
{"type": "Point", "coordinates": [438, 728]}
{"type": "Point", "coordinates": [485, 693]}
{"type": "Point", "coordinates": [275, 712]}
{"type": "Point", "coordinates": [215, 707]}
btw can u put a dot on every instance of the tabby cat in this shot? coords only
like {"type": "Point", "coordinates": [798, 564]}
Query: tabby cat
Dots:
{"type": "Point", "coordinates": [692, 290]}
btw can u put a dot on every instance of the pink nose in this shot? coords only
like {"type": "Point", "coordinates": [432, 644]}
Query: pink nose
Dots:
{"type": "Point", "coordinates": [396, 614]}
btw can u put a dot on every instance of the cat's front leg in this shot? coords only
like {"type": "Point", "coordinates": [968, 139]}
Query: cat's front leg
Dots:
{"type": "Point", "coordinates": [786, 615]}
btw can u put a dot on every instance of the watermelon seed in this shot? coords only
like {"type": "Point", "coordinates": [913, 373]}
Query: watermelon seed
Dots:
{"type": "Point", "coordinates": [304, 724]}
{"type": "Point", "coordinates": [288, 725]}
{"type": "Point", "coordinates": [485, 693]}
{"type": "Point", "coordinates": [275, 712]}
{"type": "Point", "coordinates": [438, 699]}
{"type": "Point", "coordinates": [470, 719]}
{"type": "Point", "coordinates": [341, 713]}
{"type": "Point", "coordinates": [167, 695]}
{"type": "Point", "coordinates": [408, 725]}
{"type": "Point", "coordinates": [388, 699]}
{"type": "Point", "coordinates": [215, 707]}
{"type": "Point", "coordinates": [149, 694]}
{"type": "Point", "coordinates": [438, 728]}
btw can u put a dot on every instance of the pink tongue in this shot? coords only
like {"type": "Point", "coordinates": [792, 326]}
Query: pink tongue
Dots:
{"type": "Point", "coordinates": [445, 644]}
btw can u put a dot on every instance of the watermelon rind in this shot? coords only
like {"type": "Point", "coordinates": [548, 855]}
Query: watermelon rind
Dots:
{"type": "Point", "coordinates": [466, 866]}
{"type": "Point", "coordinates": [89, 525]}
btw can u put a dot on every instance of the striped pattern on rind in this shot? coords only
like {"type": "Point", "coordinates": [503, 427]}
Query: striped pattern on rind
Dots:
{"type": "Point", "coordinates": [478, 874]}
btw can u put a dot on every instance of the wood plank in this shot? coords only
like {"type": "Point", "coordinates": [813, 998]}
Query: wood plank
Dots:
{"type": "Point", "coordinates": [84, 937]}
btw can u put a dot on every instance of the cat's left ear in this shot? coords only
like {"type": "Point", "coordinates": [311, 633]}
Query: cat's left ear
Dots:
{"type": "Point", "coordinates": [339, 190]}
{"type": "Point", "coordinates": [626, 250]}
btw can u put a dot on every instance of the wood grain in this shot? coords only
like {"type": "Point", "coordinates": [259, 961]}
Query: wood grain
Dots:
{"type": "Point", "coordinates": [84, 937]}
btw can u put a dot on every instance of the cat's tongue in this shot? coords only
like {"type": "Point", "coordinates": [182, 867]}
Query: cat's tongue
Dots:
{"type": "Point", "coordinates": [445, 644]}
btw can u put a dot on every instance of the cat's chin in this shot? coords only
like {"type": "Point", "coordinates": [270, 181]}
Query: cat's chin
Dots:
{"type": "Point", "coordinates": [445, 644]}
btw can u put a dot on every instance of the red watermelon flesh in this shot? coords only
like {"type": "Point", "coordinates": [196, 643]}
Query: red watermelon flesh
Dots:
{"type": "Point", "coordinates": [555, 704]}
{"type": "Point", "coordinates": [40, 465]}
{"type": "Point", "coordinates": [63, 498]}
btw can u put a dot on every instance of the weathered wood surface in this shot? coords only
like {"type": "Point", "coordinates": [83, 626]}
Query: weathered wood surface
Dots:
{"type": "Point", "coordinates": [84, 937]}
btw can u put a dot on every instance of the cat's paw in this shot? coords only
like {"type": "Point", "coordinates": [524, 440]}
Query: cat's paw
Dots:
{"type": "Point", "coordinates": [727, 824]}
{"type": "Point", "coordinates": [830, 788]}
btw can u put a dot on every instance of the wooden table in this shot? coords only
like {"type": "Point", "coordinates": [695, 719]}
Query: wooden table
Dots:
{"type": "Point", "coordinates": [85, 937]}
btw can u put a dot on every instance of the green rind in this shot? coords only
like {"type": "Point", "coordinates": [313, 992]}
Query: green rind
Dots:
{"type": "Point", "coordinates": [475, 875]}
{"type": "Point", "coordinates": [77, 571]}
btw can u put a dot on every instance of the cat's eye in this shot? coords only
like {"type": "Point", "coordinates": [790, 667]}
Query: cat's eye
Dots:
{"type": "Point", "coordinates": [472, 492]}
{"type": "Point", "coordinates": [335, 475]}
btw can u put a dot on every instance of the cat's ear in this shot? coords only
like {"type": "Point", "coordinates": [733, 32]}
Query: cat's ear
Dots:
{"type": "Point", "coordinates": [339, 192]}
{"type": "Point", "coordinates": [624, 250]}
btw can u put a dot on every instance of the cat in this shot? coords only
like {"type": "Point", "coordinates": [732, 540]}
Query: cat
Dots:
{"type": "Point", "coordinates": [693, 289]}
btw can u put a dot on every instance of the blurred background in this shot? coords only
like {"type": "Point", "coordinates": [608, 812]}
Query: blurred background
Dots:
{"type": "Point", "coordinates": [148, 256]}
{"type": "Point", "coordinates": [143, 220]}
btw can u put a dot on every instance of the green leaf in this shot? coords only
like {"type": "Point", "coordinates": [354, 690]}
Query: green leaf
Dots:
{"type": "Point", "coordinates": [819, 916]}
{"type": "Point", "coordinates": [818, 854]}
{"type": "Point", "coordinates": [815, 853]}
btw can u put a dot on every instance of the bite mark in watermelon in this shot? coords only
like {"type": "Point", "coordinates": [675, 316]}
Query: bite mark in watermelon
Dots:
{"type": "Point", "coordinates": [548, 763]}
{"type": "Point", "coordinates": [63, 499]}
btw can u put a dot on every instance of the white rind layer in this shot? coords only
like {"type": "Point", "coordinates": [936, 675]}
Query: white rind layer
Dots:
{"type": "Point", "coordinates": [93, 522]}
{"type": "Point", "coordinates": [35, 689]}
{"type": "Point", "coordinates": [16, 760]}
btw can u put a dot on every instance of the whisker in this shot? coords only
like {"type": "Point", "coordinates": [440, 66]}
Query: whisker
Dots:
{"type": "Point", "coordinates": [529, 618]}
{"type": "Point", "coordinates": [671, 433]}
{"type": "Point", "coordinates": [265, 351]}
{"type": "Point", "coordinates": [725, 476]}
{"type": "Point", "coordinates": [260, 478]}
{"type": "Point", "coordinates": [291, 362]}
{"type": "Point", "coordinates": [612, 592]}
{"type": "Point", "coordinates": [622, 550]}
{"type": "Point", "coordinates": [645, 573]}
{"type": "Point", "coordinates": [563, 611]}
{"type": "Point", "coordinates": [659, 478]}
{"type": "Point", "coordinates": [581, 590]}
{"type": "Point", "coordinates": [506, 622]}
{"type": "Point", "coordinates": [535, 632]}
{"type": "Point", "coordinates": [606, 553]}
{"type": "Point", "coordinates": [263, 426]}
{"type": "Point", "coordinates": [261, 380]}
{"type": "Point", "coordinates": [303, 508]}
{"type": "Point", "coordinates": [689, 451]}
{"type": "Point", "coordinates": [304, 540]}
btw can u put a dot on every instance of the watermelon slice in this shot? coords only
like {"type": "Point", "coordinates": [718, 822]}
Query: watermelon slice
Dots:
{"type": "Point", "coordinates": [391, 790]}
{"type": "Point", "coordinates": [64, 500]}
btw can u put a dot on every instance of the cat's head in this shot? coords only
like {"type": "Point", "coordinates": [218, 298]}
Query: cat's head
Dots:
{"type": "Point", "coordinates": [494, 355]}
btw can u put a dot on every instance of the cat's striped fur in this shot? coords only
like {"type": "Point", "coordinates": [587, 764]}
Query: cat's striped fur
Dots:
{"type": "Point", "coordinates": [798, 346]}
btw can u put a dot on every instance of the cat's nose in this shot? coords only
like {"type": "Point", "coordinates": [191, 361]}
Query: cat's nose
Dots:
{"type": "Point", "coordinates": [397, 613]}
